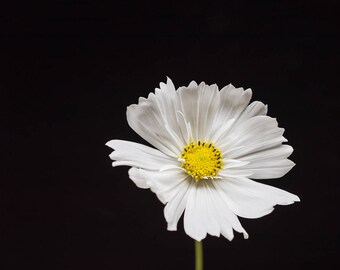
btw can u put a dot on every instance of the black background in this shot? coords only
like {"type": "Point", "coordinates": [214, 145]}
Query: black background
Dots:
{"type": "Point", "coordinates": [70, 68]}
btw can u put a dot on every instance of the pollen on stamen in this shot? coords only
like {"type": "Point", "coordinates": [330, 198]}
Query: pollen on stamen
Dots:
{"type": "Point", "coordinates": [202, 159]}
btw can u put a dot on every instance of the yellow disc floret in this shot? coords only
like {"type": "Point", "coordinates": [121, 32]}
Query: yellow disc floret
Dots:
{"type": "Point", "coordinates": [202, 159]}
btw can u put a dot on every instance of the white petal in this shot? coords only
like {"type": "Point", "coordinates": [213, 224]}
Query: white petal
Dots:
{"type": "Point", "coordinates": [164, 183]}
{"type": "Point", "coordinates": [253, 109]}
{"type": "Point", "coordinates": [155, 116]}
{"type": "Point", "coordinates": [168, 105]}
{"type": "Point", "coordinates": [206, 213]}
{"type": "Point", "coordinates": [138, 179]}
{"type": "Point", "coordinates": [251, 199]}
{"type": "Point", "coordinates": [256, 134]}
{"type": "Point", "coordinates": [171, 187]}
{"type": "Point", "coordinates": [176, 205]}
{"type": "Point", "coordinates": [138, 155]}
{"type": "Point", "coordinates": [234, 168]}
{"type": "Point", "coordinates": [199, 104]}
{"type": "Point", "coordinates": [193, 221]}
{"type": "Point", "coordinates": [270, 163]}
{"type": "Point", "coordinates": [280, 152]}
{"type": "Point", "coordinates": [234, 163]}
{"type": "Point", "coordinates": [222, 131]}
{"type": "Point", "coordinates": [272, 169]}
{"type": "Point", "coordinates": [233, 101]}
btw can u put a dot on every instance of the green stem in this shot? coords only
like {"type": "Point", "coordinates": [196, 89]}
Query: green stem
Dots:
{"type": "Point", "coordinates": [198, 255]}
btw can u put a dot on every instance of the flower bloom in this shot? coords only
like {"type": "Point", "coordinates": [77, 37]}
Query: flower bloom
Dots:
{"type": "Point", "coordinates": [209, 144]}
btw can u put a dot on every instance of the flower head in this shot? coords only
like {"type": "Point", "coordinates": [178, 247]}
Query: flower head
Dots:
{"type": "Point", "coordinates": [209, 145]}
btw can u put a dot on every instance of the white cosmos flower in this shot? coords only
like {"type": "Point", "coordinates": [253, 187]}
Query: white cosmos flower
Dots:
{"type": "Point", "coordinates": [209, 145]}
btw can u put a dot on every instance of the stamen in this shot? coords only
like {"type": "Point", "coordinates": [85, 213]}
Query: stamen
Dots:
{"type": "Point", "coordinates": [202, 159]}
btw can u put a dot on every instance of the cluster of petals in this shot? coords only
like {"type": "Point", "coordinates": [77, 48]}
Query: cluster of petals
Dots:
{"type": "Point", "coordinates": [251, 143]}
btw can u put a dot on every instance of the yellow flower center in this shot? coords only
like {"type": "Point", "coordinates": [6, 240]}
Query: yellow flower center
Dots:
{"type": "Point", "coordinates": [201, 159]}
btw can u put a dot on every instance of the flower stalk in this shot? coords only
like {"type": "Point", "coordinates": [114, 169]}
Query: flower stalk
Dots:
{"type": "Point", "coordinates": [198, 255]}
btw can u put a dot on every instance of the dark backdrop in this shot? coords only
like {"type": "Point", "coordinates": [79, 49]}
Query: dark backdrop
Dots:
{"type": "Point", "coordinates": [70, 68]}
